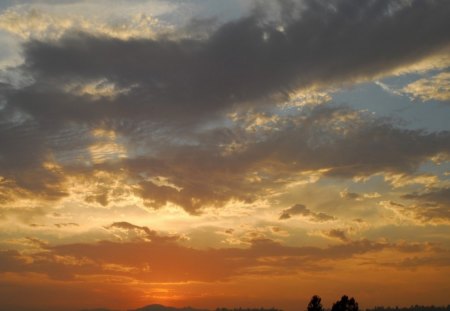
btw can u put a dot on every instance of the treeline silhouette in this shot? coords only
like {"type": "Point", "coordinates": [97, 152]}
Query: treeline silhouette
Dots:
{"type": "Point", "coordinates": [315, 304]}
{"type": "Point", "coordinates": [344, 304]}
{"type": "Point", "coordinates": [411, 308]}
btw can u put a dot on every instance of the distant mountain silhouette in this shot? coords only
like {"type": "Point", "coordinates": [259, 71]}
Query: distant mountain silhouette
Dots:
{"type": "Point", "coordinates": [152, 307]}
{"type": "Point", "coordinates": [157, 307]}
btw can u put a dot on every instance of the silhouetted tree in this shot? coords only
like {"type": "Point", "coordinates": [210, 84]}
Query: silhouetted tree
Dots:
{"type": "Point", "coordinates": [315, 304]}
{"type": "Point", "coordinates": [412, 308]}
{"type": "Point", "coordinates": [345, 304]}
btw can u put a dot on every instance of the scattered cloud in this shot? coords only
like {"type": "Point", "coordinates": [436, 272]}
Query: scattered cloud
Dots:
{"type": "Point", "coordinates": [67, 224]}
{"type": "Point", "coordinates": [345, 194]}
{"type": "Point", "coordinates": [434, 88]}
{"type": "Point", "coordinates": [402, 180]}
{"type": "Point", "coordinates": [431, 206]}
{"type": "Point", "coordinates": [302, 210]}
{"type": "Point", "coordinates": [134, 232]}
{"type": "Point", "coordinates": [338, 234]}
{"type": "Point", "coordinates": [436, 196]}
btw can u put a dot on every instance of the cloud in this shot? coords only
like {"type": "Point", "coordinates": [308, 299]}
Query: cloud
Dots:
{"type": "Point", "coordinates": [96, 89]}
{"type": "Point", "coordinates": [345, 194]}
{"type": "Point", "coordinates": [166, 261]}
{"type": "Point", "coordinates": [23, 214]}
{"type": "Point", "coordinates": [229, 231]}
{"type": "Point", "coordinates": [202, 169]}
{"type": "Point", "coordinates": [402, 180]}
{"type": "Point", "coordinates": [169, 104]}
{"type": "Point", "coordinates": [268, 46]}
{"type": "Point", "coordinates": [305, 143]}
{"type": "Point", "coordinates": [434, 195]}
{"type": "Point", "coordinates": [388, 88]}
{"type": "Point", "coordinates": [336, 234]}
{"type": "Point", "coordinates": [301, 210]}
{"type": "Point", "coordinates": [250, 58]}
{"type": "Point", "coordinates": [49, 23]}
{"type": "Point", "coordinates": [441, 260]}
{"type": "Point", "coordinates": [37, 242]}
{"type": "Point", "coordinates": [142, 233]}
{"type": "Point", "coordinates": [227, 121]}
{"type": "Point", "coordinates": [434, 88]}
{"type": "Point", "coordinates": [66, 224]}
{"type": "Point", "coordinates": [431, 206]}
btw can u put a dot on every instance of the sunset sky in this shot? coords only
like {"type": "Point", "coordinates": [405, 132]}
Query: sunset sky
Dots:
{"type": "Point", "coordinates": [224, 153]}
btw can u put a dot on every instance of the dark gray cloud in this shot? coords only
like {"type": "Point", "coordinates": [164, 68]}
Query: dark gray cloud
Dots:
{"type": "Point", "coordinates": [204, 175]}
{"type": "Point", "coordinates": [66, 224]}
{"type": "Point", "coordinates": [362, 147]}
{"type": "Point", "coordinates": [247, 60]}
{"type": "Point", "coordinates": [350, 195]}
{"type": "Point", "coordinates": [178, 88]}
{"type": "Point", "coordinates": [302, 210]}
{"type": "Point", "coordinates": [432, 205]}
{"type": "Point", "coordinates": [339, 139]}
{"type": "Point", "coordinates": [337, 234]}
{"type": "Point", "coordinates": [243, 60]}
{"type": "Point", "coordinates": [439, 196]}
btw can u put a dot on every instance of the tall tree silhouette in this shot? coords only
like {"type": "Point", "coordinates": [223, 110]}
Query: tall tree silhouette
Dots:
{"type": "Point", "coordinates": [345, 304]}
{"type": "Point", "coordinates": [315, 304]}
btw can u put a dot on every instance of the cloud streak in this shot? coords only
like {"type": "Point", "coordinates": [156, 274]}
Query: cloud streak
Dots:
{"type": "Point", "coordinates": [167, 261]}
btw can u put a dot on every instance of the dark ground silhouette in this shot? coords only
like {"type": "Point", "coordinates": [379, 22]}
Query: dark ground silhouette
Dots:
{"type": "Point", "coordinates": [315, 304]}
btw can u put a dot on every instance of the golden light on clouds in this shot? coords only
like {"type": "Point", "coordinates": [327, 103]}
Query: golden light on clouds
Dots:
{"type": "Point", "coordinates": [36, 23]}
{"type": "Point", "coordinates": [187, 153]}
{"type": "Point", "coordinates": [438, 88]}
{"type": "Point", "coordinates": [97, 89]}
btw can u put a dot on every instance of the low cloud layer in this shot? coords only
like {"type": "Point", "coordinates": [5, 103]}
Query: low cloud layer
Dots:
{"type": "Point", "coordinates": [167, 261]}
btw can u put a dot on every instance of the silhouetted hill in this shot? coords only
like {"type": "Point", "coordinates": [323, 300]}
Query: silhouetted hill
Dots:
{"type": "Point", "coordinates": [156, 307]}
{"type": "Point", "coordinates": [152, 307]}
{"type": "Point", "coordinates": [248, 309]}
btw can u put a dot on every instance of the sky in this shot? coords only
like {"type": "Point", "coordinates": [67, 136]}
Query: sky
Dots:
{"type": "Point", "coordinates": [224, 153]}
